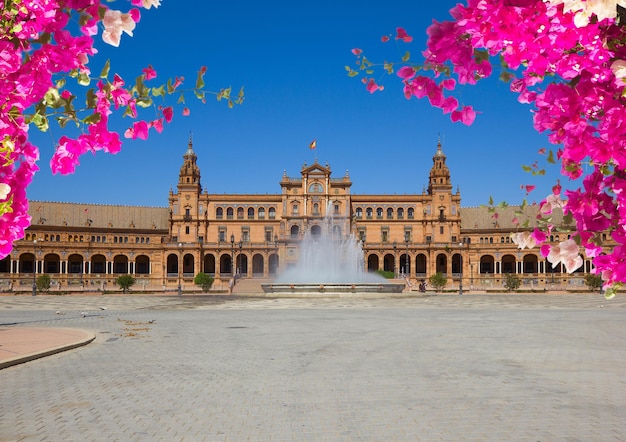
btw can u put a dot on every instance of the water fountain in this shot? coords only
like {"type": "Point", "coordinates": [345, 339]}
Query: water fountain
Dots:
{"type": "Point", "coordinates": [330, 263]}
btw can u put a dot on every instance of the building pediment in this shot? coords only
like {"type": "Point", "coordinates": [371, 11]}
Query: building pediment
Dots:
{"type": "Point", "coordinates": [315, 169]}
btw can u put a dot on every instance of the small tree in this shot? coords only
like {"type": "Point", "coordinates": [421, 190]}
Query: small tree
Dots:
{"type": "Point", "coordinates": [386, 274]}
{"type": "Point", "coordinates": [438, 281]}
{"type": "Point", "coordinates": [593, 282]}
{"type": "Point", "coordinates": [125, 282]}
{"type": "Point", "coordinates": [43, 283]}
{"type": "Point", "coordinates": [511, 282]}
{"type": "Point", "coordinates": [203, 280]}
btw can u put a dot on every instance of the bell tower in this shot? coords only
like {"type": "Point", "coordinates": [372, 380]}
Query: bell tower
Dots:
{"type": "Point", "coordinates": [439, 180]}
{"type": "Point", "coordinates": [189, 176]}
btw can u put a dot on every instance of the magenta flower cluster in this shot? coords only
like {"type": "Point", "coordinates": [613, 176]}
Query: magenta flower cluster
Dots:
{"type": "Point", "coordinates": [41, 51]}
{"type": "Point", "coordinates": [567, 58]}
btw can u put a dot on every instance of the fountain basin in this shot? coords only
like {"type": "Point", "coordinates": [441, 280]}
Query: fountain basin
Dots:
{"type": "Point", "coordinates": [331, 289]}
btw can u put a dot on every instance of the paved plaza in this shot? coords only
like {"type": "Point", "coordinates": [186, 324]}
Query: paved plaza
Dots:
{"type": "Point", "coordinates": [218, 368]}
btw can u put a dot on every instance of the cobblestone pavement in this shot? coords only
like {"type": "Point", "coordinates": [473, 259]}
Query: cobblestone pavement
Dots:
{"type": "Point", "coordinates": [196, 368]}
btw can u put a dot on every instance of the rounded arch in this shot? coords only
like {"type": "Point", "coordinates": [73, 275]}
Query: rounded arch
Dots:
{"type": "Point", "coordinates": [530, 264]}
{"type": "Point", "coordinates": [457, 262]}
{"type": "Point", "coordinates": [75, 263]}
{"type": "Point", "coordinates": [486, 264]}
{"type": "Point", "coordinates": [51, 263]}
{"type": "Point", "coordinates": [405, 263]}
{"type": "Point", "coordinates": [172, 263]}
{"type": "Point", "coordinates": [273, 263]}
{"type": "Point", "coordinates": [98, 264]}
{"type": "Point", "coordinates": [508, 264]}
{"type": "Point", "coordinates": [189, 264]}
{"type": "Point", "coordinates": [389, 213]}
{"type": "Point", "coordinates": [241, 263]}
{"type": "Point", "coordinates": [27, 263]}
{"type": "Point", "coordinates": [226, 263]}
{"type": "Point", "coordinates": [258, 265]}
{"type": "Point", "coordinates": [441, 264]}
{"type": "Point", "coordinates": [316, 230]}
{"type": "Point", "coordinates": [142, 265]}
{"type": "Point", "coordinates": [120, 264]}
{"type": "Point", "coordinates": [209, 264]}
{"type": "Point", "coordinates": [372, 263]}
{"type": "Point", "coordinates": [389, 263]}
{"type": "Point", "coordinates": [421, 264]}
{"type": "Point", "coordinates": [294, 230]}
{"type": "Point", "coordinates": [250, 212]}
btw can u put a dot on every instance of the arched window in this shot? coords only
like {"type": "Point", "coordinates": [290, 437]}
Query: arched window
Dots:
{"type": "Point", "coordinates": [379, 212]}
{"type": "Point", "coordinates": [219, 213]}
{"type": "Point", "coordinates": [240, 213]}
{"type": "Point", "coordinates": [400, 213]}
{"type": "Point", "coordinates": [411, 212]}
{"type": "Point", "coordinates": [359, 212]}
{"type": "Point", "coordinates": [229, 213]}
{"type": "Point", "coordinates": [368, 212]}
{"type": "Point", "coordinates": [250, 213]}
{"type": "Point", "coordinates": [389, 213]}
{"type": "Point", "coordinates": [272, 213]}
{"type": "Point", "coordinates": [261, 213]}
{"type": "Point", "coordinates": [316, 209]}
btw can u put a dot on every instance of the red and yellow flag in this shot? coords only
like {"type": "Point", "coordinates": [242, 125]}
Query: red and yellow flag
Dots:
{"type": "Point", "coordinates": [313, 144]}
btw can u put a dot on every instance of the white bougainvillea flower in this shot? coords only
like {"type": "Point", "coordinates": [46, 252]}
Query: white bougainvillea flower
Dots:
{"type": "Point", "coordinates": [583, 10]}
{"type": "Point", "coordinates": [523, 239]}
{"type": "Point", "coordinates": [114, 24]}
{"type": "Point", "coordinates": [5, 189]}
{"type": "Point", "coordinates": [566, 252]}
{"type": "Point", "coordinates": [619, 70]}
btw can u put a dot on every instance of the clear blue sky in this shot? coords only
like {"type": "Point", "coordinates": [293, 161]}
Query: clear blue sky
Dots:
{"type": "Point", "coordinates": [290, 57]}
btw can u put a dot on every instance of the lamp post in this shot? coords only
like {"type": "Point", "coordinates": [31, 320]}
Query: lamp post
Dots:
{"type": "Point", "coordinates": [232, 255]}
{"type": "Point", "coordinates": [461, 269]}
{"type": "Point", "coordinates": [180, 248]}
{"type": "Point", "coordinates": [395, 266]}
{"type": "Point", "coordinates": [240, 263]}
{"type": "Point", "coordinates": [35, 267]}
{"type": "Point", "coordinates": [408, 260]}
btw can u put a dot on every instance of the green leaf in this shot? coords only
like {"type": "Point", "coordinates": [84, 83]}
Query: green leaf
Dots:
{"type": "Point", "coordinates": [181, 99]}
{"type": "Point", "coordinates": [490, 200]}
{"type": "Point", "coordinates": [158, 91]}
{"type": "Point", "coordinates": [144, 102]}
{"type": "Point", "coordinates": [200, 80]}
{"type": "Point", "coordinates": [83, 79]}
{"type": "Point", "coordinates": [41, 122]}
{"type": "Point", "coordinates": [91, 99]}
{"type": "Point", "coordinates": [139, 85]}
{"type": "Point", "coordinates": [550, 158]}
{"type": "Point", "coordinates": [105, 70]}
{"type": "Point", "coordinates": [526, 168]}
{"type": "Point", "coordinates": [52, 97]}
{"type": "Point", "coordinates": [406, 57]}
{"type": "Point", "coordinates": [92, 119]}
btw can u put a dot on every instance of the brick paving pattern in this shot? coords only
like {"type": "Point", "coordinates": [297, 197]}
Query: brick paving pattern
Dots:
{"type": "Point", "coordinates": [453, 368]}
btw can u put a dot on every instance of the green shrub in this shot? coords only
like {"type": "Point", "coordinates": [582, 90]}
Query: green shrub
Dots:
{"type": "Point", "coordinates": [43, 283]}
{"type": "Point", "coordinates": [386, 274]}
{"type": "Point", "coordinates": [594, 282]}
{"type": "Point", "coordinates": [203, 280]}
{"type": "Point", "coordinates": [125, 282]}
{"type": "Point", "coordinates": [511, 281]}
{"type": "Point", "coordinates": [438, 281]}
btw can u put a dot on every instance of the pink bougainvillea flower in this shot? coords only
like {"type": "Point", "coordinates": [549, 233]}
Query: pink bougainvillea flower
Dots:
{"type": "Point", "coordinates": [149, 73]}
{"type": "Point", "coordinates": [402, 35]}
{"type": "Point", "coordinates": [465, 115]}
{"type": "Point", "coordinates": [371, 86]}
{"type": "Point", "coordinates": [384, 38]}
{"type": "Point", "coordinates": [168, 113]}
{"type": "Point", "coordinates": [357, 51]}
{"type": "Point", "coordinates": [186, 111]}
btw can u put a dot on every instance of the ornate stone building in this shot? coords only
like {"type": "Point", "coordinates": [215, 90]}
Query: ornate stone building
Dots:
{"type": "Point", "coordinates": [87, 246]}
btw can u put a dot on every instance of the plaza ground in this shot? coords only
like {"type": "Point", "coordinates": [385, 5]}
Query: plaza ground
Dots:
{"type": "Point", "coordinates": [530, 367]}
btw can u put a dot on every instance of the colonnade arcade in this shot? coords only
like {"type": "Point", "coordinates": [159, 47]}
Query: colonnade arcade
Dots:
{"type": "Point", "coordinates": [455, 264]}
